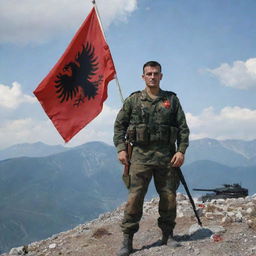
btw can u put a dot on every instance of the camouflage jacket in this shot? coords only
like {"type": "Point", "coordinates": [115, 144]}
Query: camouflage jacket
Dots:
{"type": "Point", "coordinates": [157, 128]}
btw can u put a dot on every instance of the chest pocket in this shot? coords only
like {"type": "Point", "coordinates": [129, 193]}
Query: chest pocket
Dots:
{"type": "Point", "coordinates": [153, 123]}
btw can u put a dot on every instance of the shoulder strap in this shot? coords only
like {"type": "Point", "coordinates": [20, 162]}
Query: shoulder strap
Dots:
{"type": "Point", "coordinates": [134, 93]}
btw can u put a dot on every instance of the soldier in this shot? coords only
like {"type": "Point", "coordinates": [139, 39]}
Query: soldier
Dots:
{"type": "Point", "coordinates": [154, 122]}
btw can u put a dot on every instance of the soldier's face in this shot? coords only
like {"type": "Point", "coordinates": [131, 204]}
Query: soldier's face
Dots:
{"type": "Point", "coordinates": [152, 76]}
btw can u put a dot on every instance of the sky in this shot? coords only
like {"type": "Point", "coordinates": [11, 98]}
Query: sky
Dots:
{"type": "Point", "coordinates": [207, 49]}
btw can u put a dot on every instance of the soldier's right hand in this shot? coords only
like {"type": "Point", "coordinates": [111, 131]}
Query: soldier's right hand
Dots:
{"type": "Point", "coordinates": [123, 157]}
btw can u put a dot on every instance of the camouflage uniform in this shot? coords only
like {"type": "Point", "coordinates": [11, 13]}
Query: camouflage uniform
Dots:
{"type": "Point", "coordinates": [153, 126]}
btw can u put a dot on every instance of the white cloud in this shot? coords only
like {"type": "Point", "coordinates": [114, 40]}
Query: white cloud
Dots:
{"type": "Point", "coordinates": [240, 75]}
{"type": "Point", "coordinates": [38, 21]}
{"type": "Point", "coordinates": [229, 123]}
{"type": "Point", "coordinates": [28, 130]}
{"type": "Point", "coordinates": [12, 97]}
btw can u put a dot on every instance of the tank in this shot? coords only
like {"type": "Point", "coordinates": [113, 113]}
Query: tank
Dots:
{"type": "Point", "coordinates": [227, 191]}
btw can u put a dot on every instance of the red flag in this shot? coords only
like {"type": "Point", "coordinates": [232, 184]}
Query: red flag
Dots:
{"type": "Point", "coordinates": [73, 92]}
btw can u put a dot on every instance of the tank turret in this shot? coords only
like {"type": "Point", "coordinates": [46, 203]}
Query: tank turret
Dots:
{"type": "Point", "coordinates": [227, 191]}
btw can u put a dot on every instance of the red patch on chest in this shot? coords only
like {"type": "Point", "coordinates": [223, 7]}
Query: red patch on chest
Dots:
{"type": "Point", "coordinates": [167, 104]}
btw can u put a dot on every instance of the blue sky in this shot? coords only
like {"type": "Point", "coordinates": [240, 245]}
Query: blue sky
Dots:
{"type": "Point", "coordinates": [207, 49]}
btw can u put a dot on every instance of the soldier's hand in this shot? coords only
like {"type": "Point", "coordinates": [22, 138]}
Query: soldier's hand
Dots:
{"type": "Point", "coordinates": [123, 157]}
{"type": "Point", "coordinates": [177, 159]}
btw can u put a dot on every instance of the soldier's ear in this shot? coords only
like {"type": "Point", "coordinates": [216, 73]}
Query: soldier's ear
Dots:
{"type": "Point", "coordinates": [161, 76]}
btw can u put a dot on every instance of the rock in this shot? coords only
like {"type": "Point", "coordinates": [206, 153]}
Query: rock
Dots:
{"type": "Point", "coordinates": [180, 197]}
{"type": "Point", "coordinates": [103, 236]}
{"type": "Point", "coordinates": [214, 215]}
{"type": "Point", "coordinates": [52, 246]}
{"type": "Point", "coordinates": [238, 217]}
{"type": "Point", "coordinates": [200, 212]}
{"type": "Point", "coordinates": [249, 210]}
{"type": "Point", "coordinates": [221, 201]}
{"type": "Point", "coordinates": [250, 204]}
{"type": "Point", "coordinates": [197, 232]}
{"type": "Point", "coordinates": [196, 251]}
{"type": "Point", "coordinates": [22, 250]}
{"type": "Point", "coordinates": [231, 214]}
{"type": "Point", "coordinates": [226, 220]}
{"type": "Point", "coordinates": [217, 229]}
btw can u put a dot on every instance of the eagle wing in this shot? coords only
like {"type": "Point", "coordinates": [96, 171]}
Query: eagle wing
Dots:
{"type": "Point", "coordinates": [81, 70]}
{"type": "Point", "coordinates": [88, 66]}
{"type": "Point", "coordinates": [87, 62]}
{"type": "Point", "coordinates": [65, 84]}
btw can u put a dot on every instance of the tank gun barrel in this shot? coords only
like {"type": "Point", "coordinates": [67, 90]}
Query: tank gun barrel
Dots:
{"type": "Point", "coordinates": [202, 189]}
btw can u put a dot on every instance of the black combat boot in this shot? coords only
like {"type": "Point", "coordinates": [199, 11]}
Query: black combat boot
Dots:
{"type": "Point", "coordinates": [168, 239]}
{"type": "Point", "coordinates": [126, 248]}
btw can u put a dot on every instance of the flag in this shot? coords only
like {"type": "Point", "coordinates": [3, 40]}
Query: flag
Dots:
{"type": "Point", "coordinates": [73, 92]}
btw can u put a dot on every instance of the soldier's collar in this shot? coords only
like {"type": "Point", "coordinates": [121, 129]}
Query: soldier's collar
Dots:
{"type": "Point", "coordinates": [145, 96]}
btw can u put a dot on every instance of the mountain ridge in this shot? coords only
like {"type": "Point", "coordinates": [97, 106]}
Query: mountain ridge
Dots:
{"type": "Point", "coordinates": [228, 152]}
{"type": "Point", "coordinates": [228, 229]}
{"type": "Point", "coordinates": [45, 195]}
{"type": "Point", "coordinates": [37, 149]}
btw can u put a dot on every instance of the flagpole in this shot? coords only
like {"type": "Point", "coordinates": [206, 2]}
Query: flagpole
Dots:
{"type": "Point", "coordinates": [117, 81]}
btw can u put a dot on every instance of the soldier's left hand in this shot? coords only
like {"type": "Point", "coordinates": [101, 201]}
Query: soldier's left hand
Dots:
{"type": "Point", "coordinates": [177, 159]}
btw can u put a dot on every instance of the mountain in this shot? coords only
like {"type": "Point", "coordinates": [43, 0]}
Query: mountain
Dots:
{"type": "Point", "coordinates": [245, 148]}
{"type": "Point", "coordinates": [37, 149]}
{"type": "Point", "coordinates": [46, 195]}
{"type": "Point", "coordinates": [41, 196]}
{"type": "Point", "coordinates": [228, 152]}
{"type": "Point", "coordinates": [209, 174]}
{"type": "Point", "coordinates": [228, 229]}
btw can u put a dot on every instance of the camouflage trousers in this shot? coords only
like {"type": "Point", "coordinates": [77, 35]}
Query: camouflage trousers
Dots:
{"type": "Point", "coordinates": [166, 182]}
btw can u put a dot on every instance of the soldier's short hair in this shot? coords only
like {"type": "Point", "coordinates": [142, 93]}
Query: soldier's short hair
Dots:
{"type": "Point", "coordinates": [152, 63]}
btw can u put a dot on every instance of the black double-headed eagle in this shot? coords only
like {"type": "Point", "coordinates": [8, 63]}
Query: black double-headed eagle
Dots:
{"type": "Point", "coordinates": [78, 73]}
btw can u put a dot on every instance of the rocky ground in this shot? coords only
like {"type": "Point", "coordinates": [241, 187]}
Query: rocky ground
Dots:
{"type": "Point", "coordinates": [229, 228]}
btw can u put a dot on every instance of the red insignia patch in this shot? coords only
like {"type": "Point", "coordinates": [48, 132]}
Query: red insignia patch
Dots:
{"type": "Point", "coordinates": [167, 104]}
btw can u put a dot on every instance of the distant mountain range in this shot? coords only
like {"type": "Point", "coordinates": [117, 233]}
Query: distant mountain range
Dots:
{"type": "Point", "coordinates": [61, 187]}
{"type": "Point", "coordinates": [41, 196]}
{"type": "Point", "coordinates": [37, 149]}
{"type": "Point", "coordinates": [228, 152]}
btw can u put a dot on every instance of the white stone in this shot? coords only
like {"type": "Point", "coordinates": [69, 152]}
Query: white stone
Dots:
{"type": "Point", "coordinates": [213, 215]}
{"type": "Point", "coordinates": [221, 201]}
{"type": "Point", "coordinates": [250, 204]}
{"type": "Point", "coordinates": [238, 217]}
{"type": "Point", "coordinates": [249, 222]}
{"type": "Point", "coordinates": [193, 228]}
{"type": "Point", "coordinates": [253, 249]}
{"type": "Point", "coordinates": [18, 251]}
{"type": "Point", "coordinates": [52, 246]}
{"type": "Point", "coordinates": [180, 197]}
{"type": "Point", "coordinates": [209, 215]}
{"type": "Point", "coordinates": [249, 210]}
{"type": "Point", "coordinates": [240, 200]}
{"type": "Point", "coordinates": [180, 214]}
{"type": "Point", "coordinates": [226, 219]}
{"type": "Point", "coordinates": [196, 251]}
{"type": "Point", "coordinates": [197, 232]}
{"type": "Point", "coordinates": [200, 212]}
{"type": "Point", "coordinates": [229, 200]}
{"type": "Point", "coordinates": [231, 214]}
{"type": "Point", "coordinates": [217, 229]}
